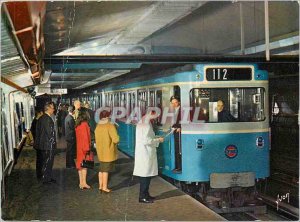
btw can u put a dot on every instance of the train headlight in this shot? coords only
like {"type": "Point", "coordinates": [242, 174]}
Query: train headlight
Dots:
{"type": "Point", "coordinates": [199, 144]}
{"type": "Point", "coordinates": [260, 142]}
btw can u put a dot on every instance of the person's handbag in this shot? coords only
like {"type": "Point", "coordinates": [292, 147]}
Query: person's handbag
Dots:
{"type": "Point", "coordinates": [88, 161]}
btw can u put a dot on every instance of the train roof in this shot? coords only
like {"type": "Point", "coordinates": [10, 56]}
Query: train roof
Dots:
{"type": "Point", "coordinates": [77, 44]}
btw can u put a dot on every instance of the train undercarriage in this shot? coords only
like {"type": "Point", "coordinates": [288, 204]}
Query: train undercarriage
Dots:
{"type": "Point", "coordinates": [225, 200]}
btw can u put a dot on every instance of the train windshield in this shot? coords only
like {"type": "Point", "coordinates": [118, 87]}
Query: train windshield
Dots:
{"type": "Point", "coordinates": [227, 104]}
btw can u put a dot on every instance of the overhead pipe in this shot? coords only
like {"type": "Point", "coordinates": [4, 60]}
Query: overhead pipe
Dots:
{"type": "Point", "coordinates": [18, 44]}
{"type": "Point", "coordinates": [12, 84]}
{"type": "Point", "coordinates": [267, 34]}
{"type": "Point", "coordinates": [26, 19]}
{"type": "Point", "coordinates": [242, 29]}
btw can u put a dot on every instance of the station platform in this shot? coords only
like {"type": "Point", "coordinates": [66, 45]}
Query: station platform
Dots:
{"type": "Point", "coordinates": [27, 199]}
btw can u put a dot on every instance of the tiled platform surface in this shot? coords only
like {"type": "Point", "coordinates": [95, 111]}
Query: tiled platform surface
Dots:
{"type": "Point", "coordinates": [29, 200]}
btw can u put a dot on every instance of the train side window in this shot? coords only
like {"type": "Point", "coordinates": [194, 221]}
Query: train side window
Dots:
{"type": "Point", "coordinates": [142, 101]}
{"type": "Point", "coordinates": [199, 100]}
{"type": "Point", "coordinates": [155, 100]}
{"type": "Point", "coordinates": [106, 100]}
{"type": "Point", "coordinates": [131, 102]}
{"type": "Point", "coordinates": [116, 100]}
{"type": "Point", "coordinates": [123, 100]}
{"type": "Point", "coordinates": [158, 104]}
{"type": "Point", "coordinates": [176, 91]}
{"type": "Point", "coordinates": [152, 98]}
{"type": "Point", "coordinates": [111, 101]}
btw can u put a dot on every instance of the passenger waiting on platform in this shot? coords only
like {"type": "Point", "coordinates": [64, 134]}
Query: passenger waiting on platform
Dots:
{"type": "Point", "coordinates": [70, 138]}
{"type": "Point", "coordinates": [224, 115]}
{"type": "Point", "coordinates": [145, 162]}
{"type": "Point", "coordinates": [38, 113]}
{"type": "Point", "coordinates": [77, 105]}
{"type": "Point", "coordinates": [83, 142]}
{"type": "Point", "coordinates": [92, 122]}
{"type": "Point", "coordinates": [175, 103]}
{"type": "Point", "coordinates": [106, 138]}
{"type": "Point", "coordinates": [45, 143]}
{"type": "Point", "coordinates": [61, 115]}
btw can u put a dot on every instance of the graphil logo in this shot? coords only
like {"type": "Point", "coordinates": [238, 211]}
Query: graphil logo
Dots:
{"type": "Point", "coordinates": [231, 151]}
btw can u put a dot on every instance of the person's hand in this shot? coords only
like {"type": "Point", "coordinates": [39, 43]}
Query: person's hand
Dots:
{"type": "Point", "coordinates": [161, 139]}
{"type": "Point", "coordinates": [178, 130]}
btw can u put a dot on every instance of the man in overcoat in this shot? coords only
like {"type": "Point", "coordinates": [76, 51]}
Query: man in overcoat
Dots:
{"type": "Point", "coordinates": [46, 142]}
{"type": "Point", "coordinates": [145, 162]}
{"type": "Point", "coordinates": [70, 137]}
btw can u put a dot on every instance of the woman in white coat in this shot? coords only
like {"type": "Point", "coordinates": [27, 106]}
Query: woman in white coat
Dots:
{"type": "Point", "coordinates": [145, 162]}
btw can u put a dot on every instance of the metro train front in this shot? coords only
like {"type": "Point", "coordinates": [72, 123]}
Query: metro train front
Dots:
{"type": "Point", "coordinates": [231, 153]}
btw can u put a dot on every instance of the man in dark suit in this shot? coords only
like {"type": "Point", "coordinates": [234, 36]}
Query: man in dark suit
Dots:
{"type": "Point", "coordinates": [46, 142]}
{"type": "Point", "coordinates": [38, 113]}
{"type": "Point", "coordinates": [224, 115]}
{"type": "Point", "coordinates": [70, 138]}
{"type": "Point", "coordinates": [175, 103]}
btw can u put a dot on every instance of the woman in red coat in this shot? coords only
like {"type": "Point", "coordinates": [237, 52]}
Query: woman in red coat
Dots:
{"type": "Point", "coordinates": [83, 141]}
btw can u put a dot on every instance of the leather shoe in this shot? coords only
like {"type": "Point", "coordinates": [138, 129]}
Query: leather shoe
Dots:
{"type": "Point", "coordinates": [151, 198]}
{"type": "Point", "coordinates": [50, 181]}
{"type": "Point", "coordinates": [145, 200]}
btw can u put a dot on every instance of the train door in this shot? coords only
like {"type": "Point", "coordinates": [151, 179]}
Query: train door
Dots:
{"type": "Point", "coordinates": [176, 136]}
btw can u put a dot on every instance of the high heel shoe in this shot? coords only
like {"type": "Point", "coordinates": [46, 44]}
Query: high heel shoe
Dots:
{"type": "Point", "coordinates": [105, 191]}
{"type": "Point", "coordinates": [84, 187]}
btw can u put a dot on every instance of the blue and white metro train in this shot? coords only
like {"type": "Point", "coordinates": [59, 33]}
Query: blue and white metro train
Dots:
{"type": "Point", "coordinates": [17, 112]}
{"type": "Point", "coordinates": [218, 154]}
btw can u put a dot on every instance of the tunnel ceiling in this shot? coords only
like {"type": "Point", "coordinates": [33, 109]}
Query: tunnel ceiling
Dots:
{"type": "Point", "coordinates": [76, 31]}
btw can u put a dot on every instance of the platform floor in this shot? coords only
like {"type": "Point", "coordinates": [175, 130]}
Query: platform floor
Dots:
{"type": "Point", "coordinates": [28, 199]}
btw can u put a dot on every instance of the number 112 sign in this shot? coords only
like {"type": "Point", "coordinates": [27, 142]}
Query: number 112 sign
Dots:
{"type": "Point", "coordinates": [228, 73]}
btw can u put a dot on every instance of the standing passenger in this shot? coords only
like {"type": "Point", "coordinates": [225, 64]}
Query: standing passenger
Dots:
{"type": "Point", "coordinates": [106, 137]}
{"type": "Point", "coordinates": [83, 141]}
{"type": "Point", "coordinates": [92, 122]}
{"type": "Point", "coordinates": [175, 103]}
{"type": "Point", "coordinates": [38, 113]}
{"type": "Point", "coordinates": [46, 143]}
{"type": "Point", "coordinates": [70, 138]}
{"type": "Point", "coordinates": [59, 120]}
{"type": "Point", "coordinates": [39, 163]}
{"type": "Point", "coordinates": [145, 162]}
{"type": "Point", "coordinates": [77, 105]}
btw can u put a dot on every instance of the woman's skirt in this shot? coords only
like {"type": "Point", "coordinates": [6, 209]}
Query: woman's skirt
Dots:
{"type": "Point", "coordinates": [107, 166]}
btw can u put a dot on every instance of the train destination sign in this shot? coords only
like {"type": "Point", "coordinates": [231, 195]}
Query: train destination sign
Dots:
{"type": "Point", "coordinates": [228, 74]}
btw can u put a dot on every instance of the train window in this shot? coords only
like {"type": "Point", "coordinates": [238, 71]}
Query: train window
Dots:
{"type": "Point", "coordinates": [99, 103]}
{"type": "Point", "coordinates": [155, 100]}
{"type": "Point", "coordinates": [111, 101]}
{"type": "Point", "coordinates": [108, 100]}
{"type": "Point", "coordinates": [131, 102]}
{"type": "Point", "coordinates": [239, 105]}
{"type": "Point", "coordinates": [142, 101]}
{"type": "Point", "coordinates": [116, 100]}
{"type": "Point", "coordinates": [176, 91]}
{"type": "Point", "coordinates": [123, 100]}
{"type": "Point", "coordinates": [152, 98]}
